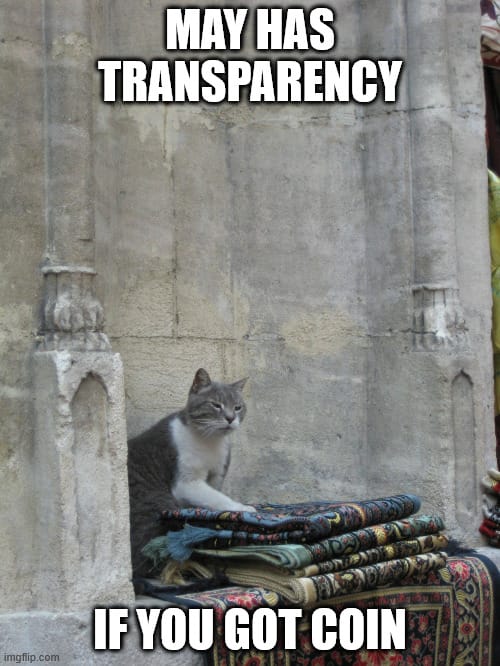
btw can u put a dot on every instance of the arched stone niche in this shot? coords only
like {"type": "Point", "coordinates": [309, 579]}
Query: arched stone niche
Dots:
{"type": "Point", "coordinates": [462, 404]}
{"type": "Point", "coordinates": [81, 457]}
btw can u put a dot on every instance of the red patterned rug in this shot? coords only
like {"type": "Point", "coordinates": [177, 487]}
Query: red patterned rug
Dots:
{"type": "Point", "coordinates": [452, 620]}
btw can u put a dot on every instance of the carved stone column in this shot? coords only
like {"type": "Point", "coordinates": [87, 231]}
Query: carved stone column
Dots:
{"type": "Point", "coordinates": [439, 324]}
{"type": "Point", "coordinates": [438, 319]}
{"type": "Point", "coordinates": [429, 388]}
{"type": "Point", "coordinates": [73, 318]}
{"type": "Point", "coordinates": [80, 451]}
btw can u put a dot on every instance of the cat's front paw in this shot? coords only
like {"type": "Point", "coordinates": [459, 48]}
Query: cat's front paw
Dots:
{"type": "Point", "coordinates": [250, 509]}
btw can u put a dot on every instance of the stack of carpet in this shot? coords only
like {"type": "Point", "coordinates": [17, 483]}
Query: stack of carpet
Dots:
{"type": "Point", "coordinates": [303, 553]}
{"type": "Point", "coordinates": [490, 526]}
{"type": "Point", "coordinates": [452, 619]}
{"type": "Point", "coordinates": [373, 554]}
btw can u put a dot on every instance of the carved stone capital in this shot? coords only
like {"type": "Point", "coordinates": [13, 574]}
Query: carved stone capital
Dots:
{"type": "Point", "coordinates": [73, 318]}
{"type": "Point", "coordinates": [438, 322]}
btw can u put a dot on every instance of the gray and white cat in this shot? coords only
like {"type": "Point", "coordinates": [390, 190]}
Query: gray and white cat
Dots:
{"type": "Point", "coordinates": [182, 461]}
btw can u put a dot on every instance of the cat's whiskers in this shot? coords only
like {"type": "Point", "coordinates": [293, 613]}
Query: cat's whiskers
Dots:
{"type": "Point", "coordinates": [207, 427]}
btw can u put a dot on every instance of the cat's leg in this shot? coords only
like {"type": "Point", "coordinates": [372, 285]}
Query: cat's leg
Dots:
{"type": "Point", "coordinates": [199, 493]}
{"type": "Point", "coordinates": [216, 477]}
{"type": "Point", "coordinates": [216, 480]}
{"type": "Point", "coordinates": [144, 525]}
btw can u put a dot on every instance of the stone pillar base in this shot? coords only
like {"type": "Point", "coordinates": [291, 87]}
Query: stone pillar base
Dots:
{"type": "Point", "coordinates": [81, 480]}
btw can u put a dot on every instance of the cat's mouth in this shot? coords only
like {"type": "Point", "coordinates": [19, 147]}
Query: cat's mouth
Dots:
{"type": "Point", "coordinates": [229, 426]}
{"type": "Point", "coordinates": [216, 428]}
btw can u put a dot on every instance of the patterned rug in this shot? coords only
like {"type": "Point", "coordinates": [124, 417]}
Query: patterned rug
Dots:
{"type": "Point", "coordinates": [275, 523]}
{"type": "Point", "coordinates": [307, 559]}
{"type": "Point", "coordinates": [490, 32]}
{"type": "Point", "coordinates": [452, 620]}
{"type": "Point", "coordinates": [308, 591]}
{"type": "Point", "coordinates": [490, 526]}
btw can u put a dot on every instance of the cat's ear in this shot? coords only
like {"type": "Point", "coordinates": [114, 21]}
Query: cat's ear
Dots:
{"type": "Point", "coordinates": [240, 384]}
{"type": "Point", "coordinates": [201, 379]}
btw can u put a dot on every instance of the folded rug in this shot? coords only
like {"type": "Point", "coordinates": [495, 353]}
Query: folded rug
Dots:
{"type": "Point", "coordinates": [255, 569]}
{"type": "Point", "coordinates": [490, 527]}
{"type": "Point", "coordinates": [311, 588]}
{"type": "Point", "coordinates": [277, 523]}
{"type": "Point", "coordinates": [490, 32]}
{"type": "Point", "coordinates": [490, 530]}
{"type": "Point", "coordinates": [490, 485]}
{"type": "Point", "coordinates": [452, 618]}
{"type": "Point", "coordinates": [494, 474]}
{"type": "Point", "coordinates": [492, 512]}
{"type": "Point", "coordinates": [298, 556]}
{"type": "Point", "coordinates": [309, 591]}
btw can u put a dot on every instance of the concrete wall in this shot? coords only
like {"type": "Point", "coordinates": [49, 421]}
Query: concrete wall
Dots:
{"type": "Point", "coordinates": [335, 254]}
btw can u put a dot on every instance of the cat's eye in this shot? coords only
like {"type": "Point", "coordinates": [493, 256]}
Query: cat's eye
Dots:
{"type": "Point", "coordinates": [217, 406]}
{"type": "Point", "coordinates": [237, 408]}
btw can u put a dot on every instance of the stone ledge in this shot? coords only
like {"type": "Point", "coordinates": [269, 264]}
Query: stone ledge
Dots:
{"type": "Point", "coordinates": [69, 635]}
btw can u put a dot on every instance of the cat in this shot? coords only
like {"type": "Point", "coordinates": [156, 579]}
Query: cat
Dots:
{"type": "Point", "coordinates": [182, 461]}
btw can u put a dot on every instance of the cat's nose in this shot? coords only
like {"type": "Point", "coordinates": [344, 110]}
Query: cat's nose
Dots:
{"type": "Point", "coordinates": [229, 419]}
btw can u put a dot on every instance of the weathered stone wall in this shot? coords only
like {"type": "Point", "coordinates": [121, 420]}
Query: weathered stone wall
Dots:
{"type": "Point", "coordinates": [335, 254]}
{"type": "Point", "coordinates": [22, 243]}
{"type": "Point", "coordinates": [314, 248]}
{"type": "Point", "coordinates": [232, 237]}
{"type": "Point", "coordinates": [429, 420]}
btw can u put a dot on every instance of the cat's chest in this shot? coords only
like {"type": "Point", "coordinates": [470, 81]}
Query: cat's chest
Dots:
{"type": "Point", "coordinates": [197, 457]}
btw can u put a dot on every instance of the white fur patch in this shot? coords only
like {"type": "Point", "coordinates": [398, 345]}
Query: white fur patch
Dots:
{"type": "Point", "coordinates": [197, 460]}
{"type": "Point", "coordinates": [197, 457]}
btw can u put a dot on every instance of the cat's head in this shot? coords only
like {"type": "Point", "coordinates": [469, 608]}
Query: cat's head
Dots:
{"type": "Point", "coordinates": [214, 408]}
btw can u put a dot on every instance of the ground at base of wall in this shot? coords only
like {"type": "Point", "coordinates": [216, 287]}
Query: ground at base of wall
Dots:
{"type": "Point", "coordinates": [67, 639]}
